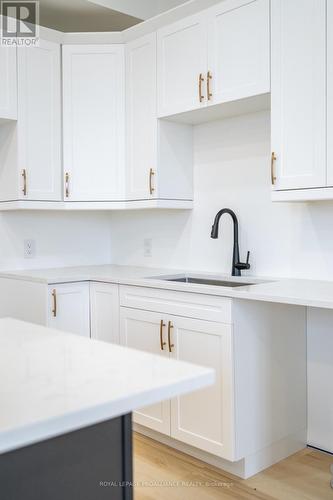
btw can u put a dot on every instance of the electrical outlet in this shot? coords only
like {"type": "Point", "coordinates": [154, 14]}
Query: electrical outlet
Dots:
{"type": "Point", "coordinates": [29, 249]}
{"type": "Point", "coordinates": [148, 247]}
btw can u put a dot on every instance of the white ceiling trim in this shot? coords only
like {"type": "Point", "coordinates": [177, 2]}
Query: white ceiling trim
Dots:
{"type": "Point", "coordinates": [142, 9]}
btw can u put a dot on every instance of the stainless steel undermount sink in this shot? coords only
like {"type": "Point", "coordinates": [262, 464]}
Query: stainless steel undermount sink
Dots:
{"type": "Point", "coordinates": [208, 280]}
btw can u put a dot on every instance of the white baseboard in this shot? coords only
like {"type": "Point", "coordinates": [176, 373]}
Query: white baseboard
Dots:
{"type": "Point", "coordinates": [245, 468]}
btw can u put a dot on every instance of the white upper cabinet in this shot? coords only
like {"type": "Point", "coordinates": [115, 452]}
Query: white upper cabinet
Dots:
{"type": "Point", "coordinates": [159, 161]}
{"type": "Point", "coordinates": [329, 93]}
{"type": "Point", "coordinates": [30, 150]}
{"type": "Point", "coordinates": [93, 122]}
{"type": "Point", "coordinates": [219, 55]}
{"type": "Point", "coordinates": [39, 122]}
{"type": "Point", "coordinates": [8, 83]}
{"type": "Point", "coordinates": [181, 65]}
{"type": "Point", "coordinates": [141, 119]}
{"type": "Point", "coordinates": [238, 50]}
{"type": "Point", "coordinates": [298, 94]}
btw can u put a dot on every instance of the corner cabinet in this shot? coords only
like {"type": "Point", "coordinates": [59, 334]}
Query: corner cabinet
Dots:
{"type": "Point", "coordinates": [93, 122]}
{"type": "Point", "coordinates": [216, 56]}
{"type": "Point", "coordinates": [159, 162]}
{"type": "Point", "coordinates": [8, 83]}
{"type": "Point", "coordinates": [30, 150]}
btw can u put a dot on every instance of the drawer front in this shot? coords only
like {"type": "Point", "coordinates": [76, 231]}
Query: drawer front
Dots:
{"type": "Point", "coordinates": [190, 305]}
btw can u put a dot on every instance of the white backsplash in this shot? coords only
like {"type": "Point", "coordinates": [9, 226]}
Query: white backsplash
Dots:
{"type": "Point", "coordinates": [62, 239]}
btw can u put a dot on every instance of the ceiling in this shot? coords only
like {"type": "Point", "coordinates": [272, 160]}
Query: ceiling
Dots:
{"type": "Point", "coordinates": [99, 15]}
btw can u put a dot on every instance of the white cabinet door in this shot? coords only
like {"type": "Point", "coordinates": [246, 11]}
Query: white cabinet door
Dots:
{"type": "Point", "coordinates": [298, 103]}
{"type": "Point", "coordinates": [205, 418]}
{"type": "Point", "coordinates": [181, 58]}
{"type": "Point", "coordinates": [104, 312]}
{"type": "Point", "coordinates": [238, 50]}
{"type": "Point", "coordinates": [330, 93]}
{"type": "Point", "coordinates": [141, 330]}
{"type": "Point", "coordinates": [8, 83]}
{"type": "Point", "coordinates": [93, 121]}
{"type": "Point", "coordinates": [141, 148]}
{"type": "Point", "coordinates": [39, 121]}
{"type": "Point", "coordinates": [68, 308]}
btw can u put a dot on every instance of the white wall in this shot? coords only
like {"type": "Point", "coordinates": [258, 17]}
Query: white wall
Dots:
{"type": "Point", "coordinates": [61, 239]}
{"type": "Point", "coordinates": [232, 169]}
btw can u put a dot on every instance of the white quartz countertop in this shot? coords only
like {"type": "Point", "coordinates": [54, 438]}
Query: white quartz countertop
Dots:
{"type": "Point", "coordinates": [311, 293]}
{"type": "Point", "coordinates": [53, 382]}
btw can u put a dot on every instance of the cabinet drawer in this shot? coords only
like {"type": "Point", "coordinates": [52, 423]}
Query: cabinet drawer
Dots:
{"type": "Point", "coordinates": [190, 305]}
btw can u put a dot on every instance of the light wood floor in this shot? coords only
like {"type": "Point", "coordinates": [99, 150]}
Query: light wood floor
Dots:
{"type": "Point", "coordinates": [161, 473]}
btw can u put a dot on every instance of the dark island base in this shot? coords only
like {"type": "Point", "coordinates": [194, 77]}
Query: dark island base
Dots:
{"type": "Point", "coordinates": [89, 464]}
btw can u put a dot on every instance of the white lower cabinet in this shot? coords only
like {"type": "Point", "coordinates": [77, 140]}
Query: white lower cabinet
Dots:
{"type": "Point", "coordinates": [204, 418]}
{"type": "Point", "coordinates": [258, 353]}
{"type": "Point", "coordinates": [68, 308]}
{"type": "Point", "coordinates": [104, 312]}
{"type": "Point", "coordinates": [255, 412]}
{"type": "Point", "coordinates": [142, 330]}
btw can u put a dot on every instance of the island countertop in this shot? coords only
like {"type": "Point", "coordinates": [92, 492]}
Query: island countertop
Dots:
{"type": "Point", "coordinates": [53, 382]}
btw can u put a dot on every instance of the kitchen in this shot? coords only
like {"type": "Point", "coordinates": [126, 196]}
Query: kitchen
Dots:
{"type": "Point", "coordinates": [167, 232]}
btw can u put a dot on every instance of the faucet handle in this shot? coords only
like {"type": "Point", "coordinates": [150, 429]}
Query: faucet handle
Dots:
{"type": "Point", "coordinates": [244, 265]}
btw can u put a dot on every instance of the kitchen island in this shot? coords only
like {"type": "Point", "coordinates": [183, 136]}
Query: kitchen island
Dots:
{"type": "Point", "coordinates": [66, 403]}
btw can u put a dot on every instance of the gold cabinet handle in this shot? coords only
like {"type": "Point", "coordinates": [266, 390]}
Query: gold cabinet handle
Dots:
{"type": "Point", "coordinates": [54, 296]}
{"type": "Point", "coordinates": [201, 80]}
{"type": "Point", "coordinates": [162, 344]}
{"type": "Point", "coordinates": [209, 78]}
{"type": "Point", "coordinates": [67, 185]}
{"type": "Point", "coordinates": [273, 176]}
{"type": "Point", "coordinates": [170, 327]}
{"type": "Point", "coordinates": [24, 176]}
{"type": "Point", "coordinates": [151, 175]}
